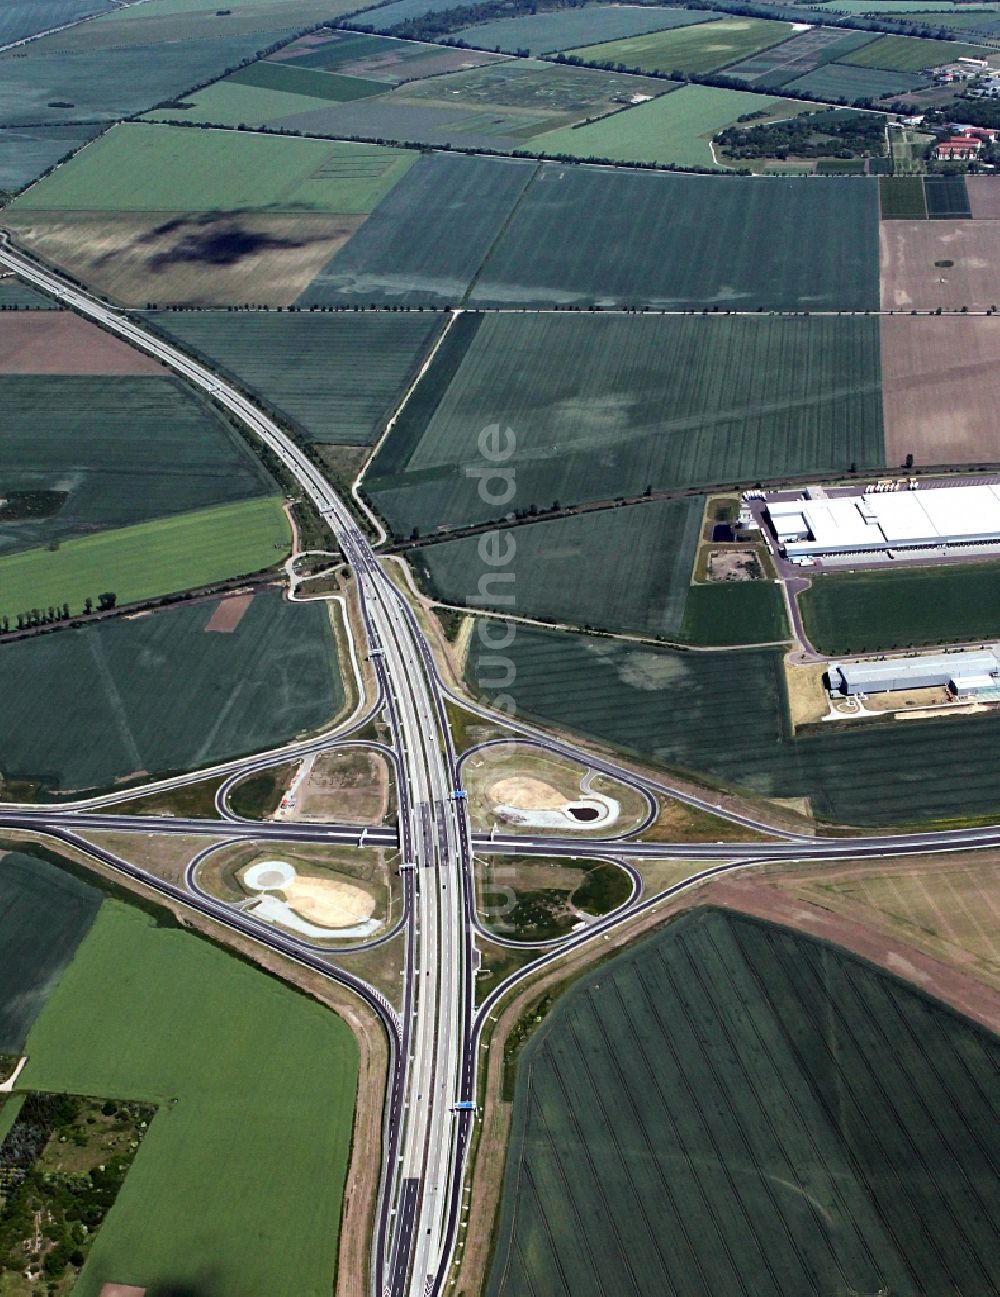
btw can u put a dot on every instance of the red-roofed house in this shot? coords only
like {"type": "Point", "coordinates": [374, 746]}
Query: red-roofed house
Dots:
{"type": "Point", "coordinates": [963, 144]}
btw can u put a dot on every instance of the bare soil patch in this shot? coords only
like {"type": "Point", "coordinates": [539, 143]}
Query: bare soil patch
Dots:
{"type": "Point", "coordinates": [350, 785]}
{"type": "Point", "coordinates": [984, 197]}
{"type": "Point", "coordinates": [59, 342]}
{"type": "Point", "coordinates": [526, 794]}
{"type": "Point", "coordinates": [915, 271]}
{"type": "Point", "coordinates": [940, 387]}
{"type": "Point", "coordinates": [807, 697]}
{"type": "Point", "coordinates": [198, 259]}
{"type": "Point", "coordinates": [734, 565]}
{"type": "Point", "coordinates": [229, 613]}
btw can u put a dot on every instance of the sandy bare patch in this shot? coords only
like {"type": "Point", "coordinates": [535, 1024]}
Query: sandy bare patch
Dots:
{"type": "Point", "coordinates": [940, 388]}
{"type": "Point", "coordinates": [328, 901]}
{"type": "Point", "coordinates": [807, 697]}
{"type": "Point", "coordinates": [122, 1290]}
{"type": "Point", "coordinates": [984, 197]}
{"type": "Point", "coordinates": [229, 613]}
{"type": "Point", "coordinates": [59, 342]}
{"type": "Point", "coordinates": [912, 277]}
{"type": "Point", "coordinates": [185, 259]}
{"type": "Point", "coordinates": [527, 794]}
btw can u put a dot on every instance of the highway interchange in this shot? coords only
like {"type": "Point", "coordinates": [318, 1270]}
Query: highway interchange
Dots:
{"type": "Point", "coordinates": [434, 1040]}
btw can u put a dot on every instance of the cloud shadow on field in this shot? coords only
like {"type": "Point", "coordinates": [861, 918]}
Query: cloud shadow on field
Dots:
{"type": "Point", "coordinates": [212, 239]}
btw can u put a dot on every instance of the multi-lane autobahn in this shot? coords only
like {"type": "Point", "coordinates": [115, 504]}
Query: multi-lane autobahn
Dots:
{"type": "Point", "coordinates": [434, 1039]}
{"type": "Point", "coordinates": [424, 1165]}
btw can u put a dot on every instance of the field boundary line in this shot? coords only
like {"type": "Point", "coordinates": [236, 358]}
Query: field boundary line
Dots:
{"type": "Point", "coordinates": [487, 255]}
{"type": "Point", "coordinates": [382, 534]}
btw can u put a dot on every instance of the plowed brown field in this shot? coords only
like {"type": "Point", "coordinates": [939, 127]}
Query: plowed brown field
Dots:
{"type": "Point", "coordinates": [940, 388]}
{"type": "Point", "coordinates": [59, 342]}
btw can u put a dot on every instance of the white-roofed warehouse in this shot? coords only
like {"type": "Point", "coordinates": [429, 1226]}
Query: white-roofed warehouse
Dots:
{"type": "Point", "coordinates": [874, 521]}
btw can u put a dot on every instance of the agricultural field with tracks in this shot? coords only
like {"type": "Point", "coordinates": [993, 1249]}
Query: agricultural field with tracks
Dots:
{"type": "Point", "coordinates": [945, 905]}
{"type": "Point", "coordinates": [871, 612]}
{"type": "Point", "coordinates": [908, 54]}
{"type": "Point", "coordinates": [607, 406]}
{"type": "Point", "coordinates": [140, 167]}
{"type": "Point", "coordinates": [939, 389]}
{"type": "Point", "coordinates": [452, 210]}
{"type": "Point", "coordinates": [183, 552]}
{"type": "Point", "coordinates": [45, 913]}
{"type": "Point", "coordinates": [167, 691]}
{"type": "Point", "coordinates": [690, 49]}
{"type": "Point", "coordinates": [691, 712]}
{"type": "Point", "coordinates": [561, 247]}
{"type": "Point", "coordinates": [334, 378]}
{"type": "Point", "coordinates": [674, 129]}
{"type": "Point", "coordinates": [801, 1115]}
{"type": "Point", "coordinates": [158, 213]}
{"type": "Point", "coordinates": [570, 569]}
{"type": "Point", "coordinates": [147, 1011]}
{"type": "Point", "coordinates": [543, 33]}
{"type": "Point", "coordinates": [109, 451]}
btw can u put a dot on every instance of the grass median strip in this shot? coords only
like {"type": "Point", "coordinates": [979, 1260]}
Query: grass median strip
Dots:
{"type": "Point", "coordinates": [149, 559]}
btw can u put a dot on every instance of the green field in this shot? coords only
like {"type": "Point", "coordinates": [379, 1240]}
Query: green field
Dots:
{"type": "Point", "coordinates": [693, 712]}
{"type": "Point", "coordinates": [868, 612]}
{"type": "Point", "coordinates": [731, 1099]}
{"type": "Point", "coordinates": [288, 78]}
{"type": "Point", "coordinates": [25, 152]}
{"type": "Point", "coordinates": [265, 93]}
{"type": "Point", "coordinates": [227, 103]}
{"type": "Point", "coordinates": [773, 244]}
{"type": "Point", "coordinates": [139, 167]}
{"type": "Point", "coordinates": [44, 915]}
{"type": "Point", "coordinates": [22, 18]}
{"type": "Point", "coordinates": [908, 54]}
{"type": "Point", "coordinates": [541, 33]}
{"type": "Point", "coordinates": [123, 450]}
{"type": "Point", "coordinates": [159, 23]}
{"type": "Point", "coordinates": [16, 295]}
{"type": "Point", "coordinates": [675, 129]}
{"type": "Point", "coordinates": [555, 93]}
{"type": "Point", "coordinates": [96, 74]}
{"type": "Point", "coordinates": [426, 242]}
{"type": "Point", "coordinates": [163, 693]}
{"type": "Point", "coordinates": [571, 569]}
{"type": "Point", "coordinates": [602, 406]}
{"type": "Point", "coordinates": [244, 1164]}
{"type": "Point", "coordinates": [334, 377]}
{"type": "Point", "coordinates": [149, 559]}
{"type": "Point", "coordinates": [735, 612]}
{"type": "Point", "coordinates": [947, 198]}
{"type": "Point", "coordinates": [695, 49]}
{"type": "Point", "coordinates": [902, 198]}
{"type": "Point", "coordinates": [841, 81]}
